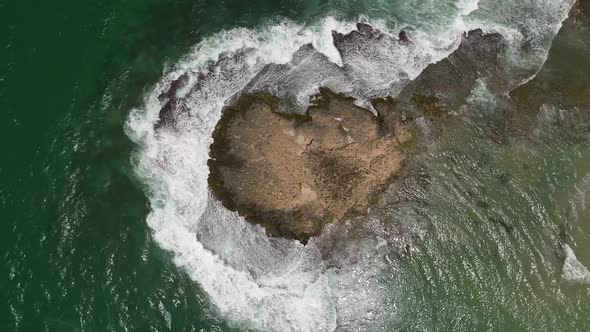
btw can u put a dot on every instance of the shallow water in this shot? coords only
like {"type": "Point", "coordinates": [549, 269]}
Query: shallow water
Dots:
{"type": "Point", "coordinates": [487, 231]}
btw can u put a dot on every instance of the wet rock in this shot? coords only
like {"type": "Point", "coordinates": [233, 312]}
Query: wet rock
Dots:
{"type": "Point", "coordinates": [293, 82]}
{"type": "Point", "coordinates": [367, 55]}
{"type": "Point", "coordinates": [482, 204]}
{"type": "Point", "coordinates": [584, 10]}
{"type": "Point", "coordinates": [561, 82]}
{"type": "Point", "coordinates": [391, 115]}
{"type": "Point", "coordinates": [403, 37]}
{"type": "Point", "coordinates": [364, 33]}
{"type": "Point", "coordinates": [445, 85]}
{"type": "Point", "coordinates": [555, 104]}
{"type": "Point", "coordinates": [507, 227]}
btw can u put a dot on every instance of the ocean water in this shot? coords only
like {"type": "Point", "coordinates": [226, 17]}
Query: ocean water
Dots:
{"type": "Point", "coordinates": [109, 224]}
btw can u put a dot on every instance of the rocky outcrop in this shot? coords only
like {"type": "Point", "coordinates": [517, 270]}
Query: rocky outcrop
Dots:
{"type": "Point", "coordinates": [445, 85]}
{"type": "Point", "coordinates": [294, 169]}
{"type": "Point", "coordinates": [560, 81]}
{"type": "Point", "coordinates": [293, 82]}
{"type": "Point", "coordinates": [367, 56]}
{"type": "Point", "coordinates": [295, 173]}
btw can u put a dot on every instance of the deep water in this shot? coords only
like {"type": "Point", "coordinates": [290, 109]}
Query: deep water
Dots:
{"type": "Point", "coordinates": [508, 184]}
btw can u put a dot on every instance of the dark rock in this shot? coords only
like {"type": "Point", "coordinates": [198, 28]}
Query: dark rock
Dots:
{"type": "Point", "coordinates": [167, 118]}
{"type": "Point", "coordinates": [364, 28]}
{"type": "Point", "coordinates": [445, 85]}
{"type": "Point", "coordinates": [364, 33]}
{"type": "Point", "coordinates": [170, 99]}
{"type": "Point", "coordinates": [403, 37]}
{"type": "Point", "coordinates": [482, 204]}
{"type": "Point", "coordinates": [584, 10]}
{"type": "Point", "coordinates": [178, 108]}
{"type": "Point", "coordinates": [507, 227]}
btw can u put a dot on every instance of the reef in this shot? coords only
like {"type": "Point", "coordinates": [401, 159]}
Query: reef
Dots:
{"type": "Point", "coordinates": [293, 167]}
{"type": "Point", "coordinates": [294, 173]}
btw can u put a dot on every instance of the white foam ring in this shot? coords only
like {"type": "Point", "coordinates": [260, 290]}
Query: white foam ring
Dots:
{"type": "Point", "coordinates": [256, 282]}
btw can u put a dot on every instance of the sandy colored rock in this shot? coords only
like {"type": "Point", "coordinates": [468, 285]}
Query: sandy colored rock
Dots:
{"type": "Point", "coordinates": [294, 173]}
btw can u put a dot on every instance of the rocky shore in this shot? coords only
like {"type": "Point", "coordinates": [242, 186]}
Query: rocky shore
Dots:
{"type": "Point", "coordinates": [293, 167]}
{"type": "Point", "coordinates": [294, 173]}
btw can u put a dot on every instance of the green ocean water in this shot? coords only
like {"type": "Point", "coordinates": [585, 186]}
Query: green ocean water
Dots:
{"type": "Point", "coordinates": [77, 254]}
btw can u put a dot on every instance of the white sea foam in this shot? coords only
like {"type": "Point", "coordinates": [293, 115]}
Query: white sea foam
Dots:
{"type": "Point", "coordinates": [322, 37]}
{"type": "Point", "coordinates": [573, 270]}
{"type": "Point", "coordinates": [482, 97]}
{"type": "Point", "coordinates": [256, 282]}
{"type": "Point", "coordinates": [467, 7]}
{"type": "Point", "coordinates": [528, 26]}
{"type": "Point", "coordinates": [289, 295]}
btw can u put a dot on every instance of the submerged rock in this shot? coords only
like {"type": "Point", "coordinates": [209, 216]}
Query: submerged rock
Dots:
{"type": "Point", "coordinates": [295, 81]}
{"type": "Point", "coordinates": [446, 84]}
{"type": "Point", "coordinates": [403, 37]}
{"type": "Point", "coordinates": [584, 7]}
{"type": "Point", "coordinates": [295, 173]}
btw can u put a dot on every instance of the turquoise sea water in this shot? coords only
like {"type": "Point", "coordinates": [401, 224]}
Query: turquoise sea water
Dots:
{"type": "Point", "coordinates": [78, 254]}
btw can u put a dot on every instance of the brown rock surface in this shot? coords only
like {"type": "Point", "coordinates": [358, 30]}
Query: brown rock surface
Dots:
{"type": "Point", "coordinates": [294, 173]}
